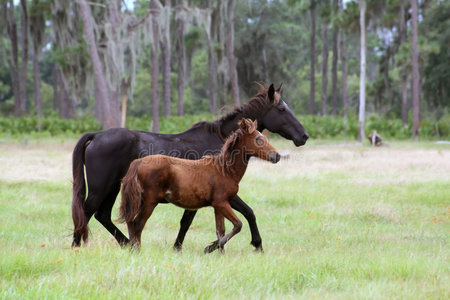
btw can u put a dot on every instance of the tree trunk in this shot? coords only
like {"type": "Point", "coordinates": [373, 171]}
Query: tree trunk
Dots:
{"type": "Point", "coordinates": [334, 76]}
{"type": "Point", "coordinates": [37, 84]}
{"type": "Point", "coordinates": [403, 75]}
{"type": "Point", "coordinates": [56, 80]}
{"type": "Point", "coordinates": [344, 67]}
{"type": "Point", "coordinates": [123, 116]}
{"type": "Point", "coordinates": [415, 71]}
{"type": "Point", "coordinates": [155, 67]}
{"type": "Point", "coordinates": [23, 70]}
{"type": "Point", "coordinates": [404, 91]}
{"type": "Point", "coordinates": [362, 83]}
{"type": "Point", "coordinates": [230, 54]}
{"type": "Point", "coordinates": [12, 33]}
{"type": "Point", "coordinates": [312, 51]}
{"type": "Point", "coordinates": [325, 69]}
{"type": "Point", "coordinates": [266, 69]}
{"type": "Point", "coordinates": [102, 94]}
{"type": "Point", "coordinates": [165, 51]}
{"type": "Point", "coordinates": [66, 103]}
{"type": "Point", "coordinates": [181, 63]}
{"type": "Point", "coordinates": [212, 69]}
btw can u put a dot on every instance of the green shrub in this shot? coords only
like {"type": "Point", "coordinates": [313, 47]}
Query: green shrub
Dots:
{"type": "Point", "coordinates": [318, 127]}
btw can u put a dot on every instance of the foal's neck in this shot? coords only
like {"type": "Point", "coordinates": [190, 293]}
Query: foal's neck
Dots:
{"type": "Point", "coordinates": [237, 165]}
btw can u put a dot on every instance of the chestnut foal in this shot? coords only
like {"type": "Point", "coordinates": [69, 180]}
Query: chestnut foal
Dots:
{"type": "Point", "coordinates": [193, 184]}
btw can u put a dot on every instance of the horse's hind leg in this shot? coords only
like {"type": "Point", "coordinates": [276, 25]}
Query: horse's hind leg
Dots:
{"type": "Point", "coordinates": [224, 208]}
{"type": "Point", "coordinates": [103, 215]}
{"type": "Point", "coordinates": [91, 205]}
{"type": "Point", "coordinates": [220, 232]}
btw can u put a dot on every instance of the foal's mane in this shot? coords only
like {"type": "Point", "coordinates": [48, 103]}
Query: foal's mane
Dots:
{"type": "Point", "coordinates": [224, 160]}
{"type": "Point", "coordinates": [252, 109]}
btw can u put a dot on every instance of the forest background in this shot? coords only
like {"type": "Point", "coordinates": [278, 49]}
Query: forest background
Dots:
{"type": "Point", "coordinates": [68, 67]}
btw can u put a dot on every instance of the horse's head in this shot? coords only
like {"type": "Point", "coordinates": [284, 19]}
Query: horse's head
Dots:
{"type": "Point", "coordinates": [280, 119]}
{"type": "Point", "coordinates": [256, 144]}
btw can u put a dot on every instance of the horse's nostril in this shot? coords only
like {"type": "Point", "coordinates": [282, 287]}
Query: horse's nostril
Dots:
{"type": "Point", "coordinates": [306, 136]}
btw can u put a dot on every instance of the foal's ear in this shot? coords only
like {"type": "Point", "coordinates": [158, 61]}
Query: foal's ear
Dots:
{"type": "Point", "coordinates": [271, 92]}
{"type": "Point", "coordinates": [278, 90]}
{"type": "Point", "coordinates": [247, 125]}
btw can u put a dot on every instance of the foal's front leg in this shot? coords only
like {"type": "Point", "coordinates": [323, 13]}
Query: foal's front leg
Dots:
{"type": "Point", "coordinates": [220, 232]}
{"type": "Point", "coordinates": [224, 208]}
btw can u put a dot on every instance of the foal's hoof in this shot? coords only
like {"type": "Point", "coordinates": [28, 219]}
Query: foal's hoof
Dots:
{"type": "Point", "coordinates": [214, 246]}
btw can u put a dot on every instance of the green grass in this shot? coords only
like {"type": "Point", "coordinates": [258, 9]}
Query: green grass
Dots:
{"type": "Point", "coordinates": [331, 228]}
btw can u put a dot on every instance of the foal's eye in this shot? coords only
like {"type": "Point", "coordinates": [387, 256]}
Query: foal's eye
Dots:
{"type": "Point", "coordinates": [259, 141]}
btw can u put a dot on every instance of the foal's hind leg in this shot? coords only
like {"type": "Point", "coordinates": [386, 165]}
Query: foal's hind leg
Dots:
{"type": "Point", "coordinates": [137, 225]}
{"type": "Point", "coordinates": [220, 232]}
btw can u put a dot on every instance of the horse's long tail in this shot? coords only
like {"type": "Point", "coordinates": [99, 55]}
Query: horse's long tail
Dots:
{"type": "Point", "coordinates": [131, 194]}
{"type": "Point", "coordinates": [79, 188]}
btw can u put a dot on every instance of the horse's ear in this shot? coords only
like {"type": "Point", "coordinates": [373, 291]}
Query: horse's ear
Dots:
{"type": "Point", "coordinates": [278, 90]}
{"type": "Point", "coordinates": [271, 92]}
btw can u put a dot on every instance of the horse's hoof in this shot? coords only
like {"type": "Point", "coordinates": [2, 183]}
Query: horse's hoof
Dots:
{"type": "Point", "coordinates": [177, 248]}
{"type": "Point", "coordinates": [259, 249]}
{"type": "Point", "coordinates": [124, 244]}
{"type": "Point", "coordinates": [76, 245]}
{"type": "Point", "coordinates": [214, 245]}
{"type": "Point", "coordinates": [257, 244]}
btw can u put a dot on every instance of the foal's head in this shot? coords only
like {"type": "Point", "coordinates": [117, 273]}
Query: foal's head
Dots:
{"type": "Point", "coordinates": [253, 143]}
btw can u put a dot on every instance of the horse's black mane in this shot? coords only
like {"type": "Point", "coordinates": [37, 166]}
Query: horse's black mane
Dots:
{"type": "Point", "coordinates": [251, 109]}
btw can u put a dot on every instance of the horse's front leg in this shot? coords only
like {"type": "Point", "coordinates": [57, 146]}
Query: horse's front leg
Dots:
{"type": "Point", "coordinates": [185, 222]}
{"type": "Point", "coordinates": [238, 204]}
{"type": "Point", "coordinates": [220, 232]}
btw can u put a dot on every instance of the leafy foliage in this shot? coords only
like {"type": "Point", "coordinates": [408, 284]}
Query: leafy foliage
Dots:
{"type": "Point", "coordinates": [318, 127]}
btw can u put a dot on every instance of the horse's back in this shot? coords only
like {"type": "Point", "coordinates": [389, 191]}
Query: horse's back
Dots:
{"type": "Point", "coordinates": [108, 156]}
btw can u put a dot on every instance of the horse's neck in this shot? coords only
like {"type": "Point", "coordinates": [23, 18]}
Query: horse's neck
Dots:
{"type": "Point", "coordinates": [229, 125]}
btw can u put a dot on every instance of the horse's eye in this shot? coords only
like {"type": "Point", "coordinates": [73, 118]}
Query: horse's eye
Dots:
{"type": "Point", "coordinates": [259, 141]}
{"type": "Point", "coordinates": [281, 108]}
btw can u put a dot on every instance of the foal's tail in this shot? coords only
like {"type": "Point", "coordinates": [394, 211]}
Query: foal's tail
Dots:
{"type": "Point", "coordinates": [131, 194]}
{"type": "Point", "coordinates": [79, 188]}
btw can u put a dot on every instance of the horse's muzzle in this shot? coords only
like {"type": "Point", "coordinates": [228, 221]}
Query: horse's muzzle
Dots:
{"type": "Point", "coordinates": [302, 140]}
{"type": "Point", "coordinates": [274, 157]}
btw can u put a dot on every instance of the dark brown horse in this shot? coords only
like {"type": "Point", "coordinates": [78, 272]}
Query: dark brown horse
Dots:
{"type": "Point", "coordinates": [210, 181]}
{"type": "Point", "coordinates": [106, 156]}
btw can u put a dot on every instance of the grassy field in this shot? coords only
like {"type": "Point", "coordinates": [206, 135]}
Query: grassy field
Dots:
{"type": "Point", "coordinates": [338, 221]}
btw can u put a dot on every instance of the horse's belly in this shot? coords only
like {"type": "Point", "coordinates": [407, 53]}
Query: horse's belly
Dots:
{"type": "Point", "coordinates": [186, 201]}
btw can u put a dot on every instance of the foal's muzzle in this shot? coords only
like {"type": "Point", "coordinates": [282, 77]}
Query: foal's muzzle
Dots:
{"type": "Point", "coordinates": [274, 157]}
